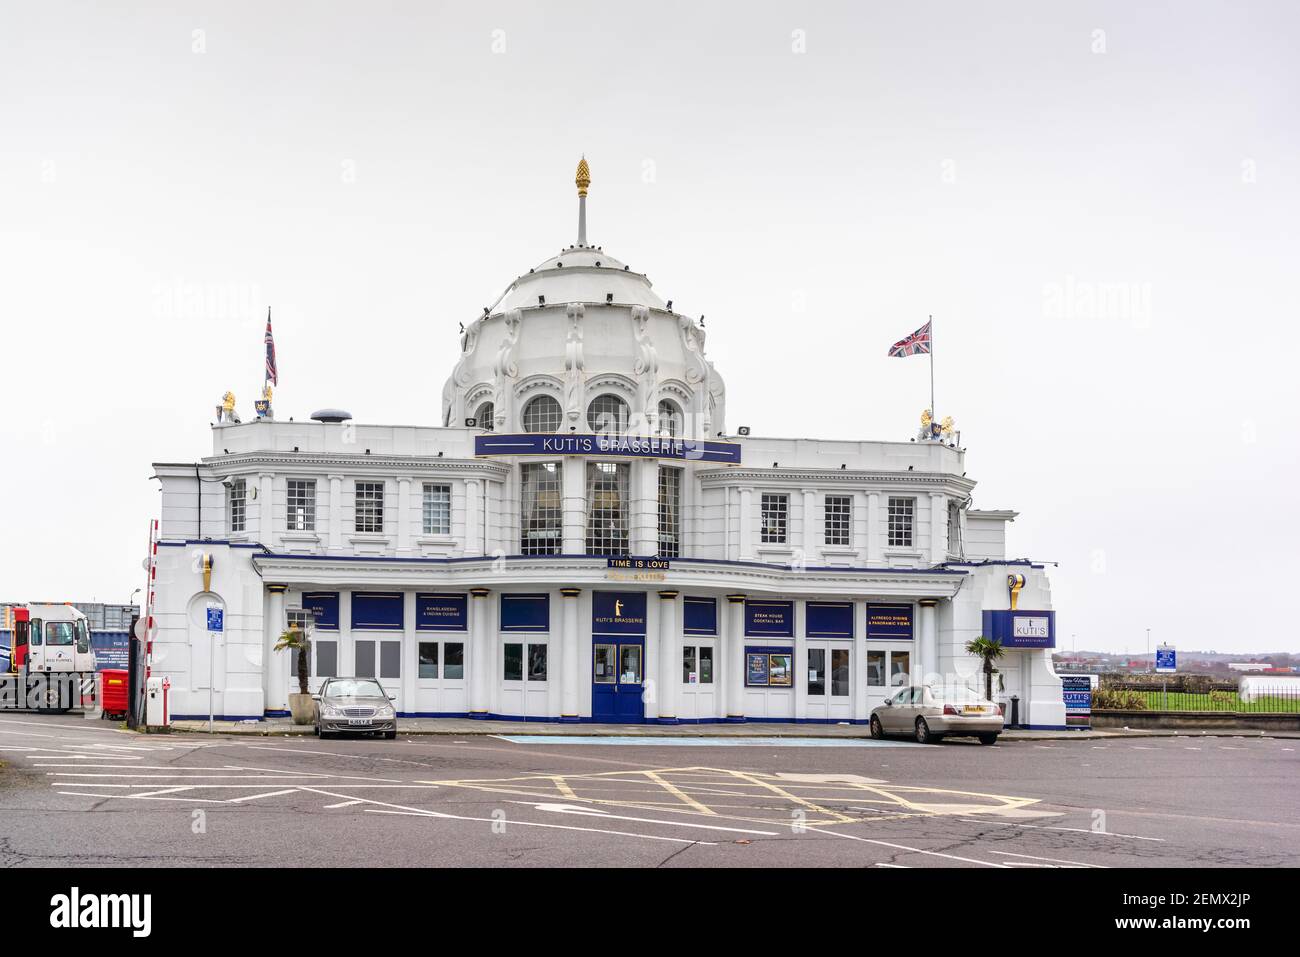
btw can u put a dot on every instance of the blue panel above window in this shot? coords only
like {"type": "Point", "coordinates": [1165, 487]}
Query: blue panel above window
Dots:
{"type": "Point", "coordinates": [829, 619]}
{"type": "Point", "coordinates": [618, 612]}
{"type": "Point", "coordinates": [769, 619]}
{"type": "Point", "coordinates": [889, 621]}
{"type": "Point", "coordinates": [377, 611]}
{"type": "Point", "coordinates": [526, 612]}
{"type": "Point", "coordinates": [699, 616]}
{"type": "Point", "coordinates": [441, 612]}
{"type": "Point", "coordinates": [324, 605]}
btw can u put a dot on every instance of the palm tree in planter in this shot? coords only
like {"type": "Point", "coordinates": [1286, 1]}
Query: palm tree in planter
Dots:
{"type": "Point", "coordinates": [300, 705]}
{"type": "Point", "coordinates": [989, 650]}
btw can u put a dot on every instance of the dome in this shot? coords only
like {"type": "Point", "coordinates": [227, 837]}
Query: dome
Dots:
{"type": "Point", "coordinates": [580, 274]}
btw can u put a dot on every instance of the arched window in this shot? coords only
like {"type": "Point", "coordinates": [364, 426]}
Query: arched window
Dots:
{"type": "Point", "coordinates": [543, 414]}
{"type": "Point", "coordinates": [607, 415]}
{"type": "Point", "coordinates": [483, 417]}
{"type": "Point", "coordinates": [670, 418]}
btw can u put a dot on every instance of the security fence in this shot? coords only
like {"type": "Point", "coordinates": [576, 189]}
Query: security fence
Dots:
{"type": "Point", "coordinates": [1226, 699]}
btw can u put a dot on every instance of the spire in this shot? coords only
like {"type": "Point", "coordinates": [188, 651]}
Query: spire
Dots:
{"type": "Point", "coordinates": [582, 180]}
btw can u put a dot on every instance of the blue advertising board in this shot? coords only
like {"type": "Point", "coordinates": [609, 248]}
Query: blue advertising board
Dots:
{"type": "Point", "coordinates": [1166, 660]}
{"type": "Point", "coordinates": [525, 612]}
{"type": "Point", "coordinates": [769, 619]}
{"type": "Point", "coordinates": [1021, 629]}
{"type": "Point", "coordinates": [377, 611]}
{"type": "Point", "coordinates": [828, 619]}
{"type": "Point", "coordinates": [324, 606]}
{"type": "Point", "coordinates": [699, 616]}
{"type": "Point", "coordinates": [636, 446]}
{"type": "Point", "coordinates": [112, 649]}
{"type": "Point", "coordinates": [891, 622]}
{"type": "Point", "coordinates": [435, 612]}
{"type": "Point", "coordinates": [1077, 692]}
{"type": "Point", "coordinates": [216, 618]}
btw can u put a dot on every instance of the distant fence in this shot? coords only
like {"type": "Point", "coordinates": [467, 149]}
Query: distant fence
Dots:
{"type": "Point", "coordinates": [1225, 699]}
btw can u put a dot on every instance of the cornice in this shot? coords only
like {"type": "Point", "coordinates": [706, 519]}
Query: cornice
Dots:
{"type": "Point", "coordinates": [291, 461]}
{"type": "Point", "coordinates": [740, 475]}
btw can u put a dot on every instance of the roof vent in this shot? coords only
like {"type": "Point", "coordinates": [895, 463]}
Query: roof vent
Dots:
{"type": "Point", "coordinates": [331, 415]}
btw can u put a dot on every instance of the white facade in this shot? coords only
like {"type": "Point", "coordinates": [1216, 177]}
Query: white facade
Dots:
{"type": "Point", "coordinates": [365, 522]}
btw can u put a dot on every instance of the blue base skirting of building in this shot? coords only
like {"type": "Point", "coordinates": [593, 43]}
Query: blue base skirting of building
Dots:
{"type": "Point", "coordinates": [219, 717]}
{"type": "Point", "coordinates": [588, 720]}
{"type": "Point", "coordinates": [277, 714]}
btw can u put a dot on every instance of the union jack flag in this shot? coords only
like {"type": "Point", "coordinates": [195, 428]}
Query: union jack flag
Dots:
{"type": "Point", "coordinates": [270, 352]}
{"type": "Point", "coordinates": [918, 343]}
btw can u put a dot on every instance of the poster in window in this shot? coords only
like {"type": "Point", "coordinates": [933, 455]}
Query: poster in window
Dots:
{"type": "Point", "coordinates": [756, 670]}
{"type": "Point", "coordinates": [780, 672]}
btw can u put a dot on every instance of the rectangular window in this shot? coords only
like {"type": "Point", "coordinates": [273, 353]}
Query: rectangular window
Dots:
{"type": "Point", "coordinates": [954, 529]}
{"type": "Point", "coordinates": [901, 514]}
{"type": "Point", "coordinates": [301, 506]}
{"type": "Point", "coordinates": [513, 662]}
{"type": "Point", "coordinates": [390, 659]}
{"type": "Point", "coordinates": [370, 507]}
{"type": "Point", "coordinates": [706, 665]}
{"type": "Point", "coordinates": [876, 669]}
{"type": "Point", "coordinates": [536, 662]}
{"type": "Point", "coordinates": [840, 672]}
{"type": "Point", "coordinates": [453, 659]}
{"type": "Point", "coordinates": [541, 526]}
{"type": "Point", "coordinates": [689, 674]}
{"type": "Point", "coordinates": [817, 671]}
{"type": "Point", "coordinates": [365, 651]}
{"type": "Point", "coordinates": [437, 509]}
{"type": "Point", "coordinates": [428, 659]}
{"type": "Point", "coordinates": [327, 659]}
{"type": "Point", "coordinates": [607, 488]}
{"type": "Point", "coordinates": [775, 515]}
{"type": "Point", "coordinates": [238, 505]}
{"type": "Point", "coordinates": [670, 512]}
{"type": "Point", "coordinates": [839, 519]}
{"type": "Point", "coordinates": [900, 668]}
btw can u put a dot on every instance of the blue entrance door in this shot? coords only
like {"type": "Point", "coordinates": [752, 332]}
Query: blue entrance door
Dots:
{"type": "Point", "coordinates": [617, 680]}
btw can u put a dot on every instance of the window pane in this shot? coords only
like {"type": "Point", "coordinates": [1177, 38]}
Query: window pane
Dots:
{"type": "Point", "coordinates": [543, 414]}
{"type": "Point", "coordinates": [453, 654]}
{"type": "Point", "coordinates": [437, 509]}
{"type": "Point", "coordinates": [327, 659]}
{"type": "Point", "coordinates": [541, 513]}
{"type": "Point", "coordinates": [688, 663]}
{"type": "Point", "coordinates": [839, 519]}
{"type": "Point", "coordinates": [390, 659]}
{"type": "Point", "coordinates": [365, 659]}
{"type": "Point", "coordinates": [899, 667]}
{"type": "Point", "coordinates": [607, 488]}
{"type": "Point", "coordinates": [370, 507]}
{"type": "Point", "coordinates": [775, 511]}
{"type": "Point", "coordinates": [301, 505]}
{"type": "Point", "coordinates": [483, 417]}
{"type": "Point", "coordinates": [603, 670]}
{"type": "Point", "coordinates": [607, 415]}
{"type": "Point", "coordinates": [817, 671]}
{"type": "Point", "coordinates": [670, 419]}
{"type": "Point", "coordinates": [537, 662]}
{"type": "Point", "coordinates": [840, 672]}
{"type": "Point", "coordinates": [706, 666]}
{"type": "Point", "coordinates": [670, 514]}
{"type": "Point", "coordinates": [428, 659]}
{"type": "Point", "coordinates": [238, 505]}
{"type": "Point", "coordinates": [630, 664]}
{"type": "Point", "coordinates": [876, 669]}
{"type": "Point", "coordinates": [513, 669]}
{"type": "Point", "coordinates": [900, 521]}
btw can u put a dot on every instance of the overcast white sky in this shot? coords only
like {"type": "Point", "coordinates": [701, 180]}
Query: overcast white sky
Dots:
{"type": "Point", "coordinates": [1097, 203]}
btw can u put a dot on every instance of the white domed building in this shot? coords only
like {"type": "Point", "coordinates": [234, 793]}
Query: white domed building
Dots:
{"type": "Point", "coordinates": [583, 537]}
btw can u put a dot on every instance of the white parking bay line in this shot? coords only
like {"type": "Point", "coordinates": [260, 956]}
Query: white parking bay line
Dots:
{"type": "Point", "coordinates": [330, 807]}
{"type": "Point", "coordinates": [1052, 827]}
{"type": "Point", "coordinates": [904, 847]}
{"type": "Point", "coordinates": [268, 794]}
{"type": "Point", "coordinates": [1053, 860]}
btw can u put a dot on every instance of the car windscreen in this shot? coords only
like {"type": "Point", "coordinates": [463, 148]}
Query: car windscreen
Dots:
{"type": "Point", "coordinates": [955, 694]}
{"type": "Point", "coordinates": [354, 688]}
{"type": "Point", "coordinates": [60, 633]}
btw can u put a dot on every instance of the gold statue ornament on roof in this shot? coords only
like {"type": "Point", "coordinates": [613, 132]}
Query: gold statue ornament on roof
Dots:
{"type": "Point", "coordinates": [228, 402]}
{"type": "Point", "coordinates": [583, 179]}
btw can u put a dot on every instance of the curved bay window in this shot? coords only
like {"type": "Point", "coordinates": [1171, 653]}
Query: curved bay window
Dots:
{"type": "Point", "coordinates": [543, 414]}
{"type": "Point", "coordinates": [483, 417]}
{"type": "Point", "coordinates": [541, 514]}
{"type": "Point", "coordinates": [607, 415]}
{"type": "Point", "coordinates": [607, 486]}
{"type": "Point", "coordinates": [670, 419]}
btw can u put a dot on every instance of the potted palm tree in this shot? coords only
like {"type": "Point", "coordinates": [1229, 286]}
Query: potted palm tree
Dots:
{"type": "Point", "coordinates": [301, 705]}
{"type": "Point", "coordinates": [989, 650]}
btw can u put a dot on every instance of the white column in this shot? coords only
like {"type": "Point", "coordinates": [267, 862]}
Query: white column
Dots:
{"type": "Point", "coordinates": [926, 661]}
{"type": "Point", "coordinates": [265, 513]}
{"type": "Point", "coordinates": [347, 663]}
{"type": "Point", "coordinates": [336, 513]}
{"type": "Point", "coordinates": [875, 537]}
{"type": "Point", "coordinates": [574, 477]}
{"type": "Point", "coordinates": [669, 657]}
{"type": "Point", "coordinates": [643, 509]}
{"type": "Point", "coordinates": [800, 663]}
{"type": "Point", "coordinates": [735, 651]}
{"type": "Point", "coordinates": [410, 658]}
{"type": "Point", "coordinates": [473, 518]}
{"type": "Point", "coordinates": [746, 520]}
{"type": "Point", "coordinates": [479, 659]}
{"type": "Point", "coordinates": [568, 664]}
{"type": "Point", "coordinates": [809, 525]}
{"type": "Point", "coordinates": [403, 516]}
{"type": "Point", "coordinates": [276, 669]}
{"type": "Point", "coordinates": [938, 528]}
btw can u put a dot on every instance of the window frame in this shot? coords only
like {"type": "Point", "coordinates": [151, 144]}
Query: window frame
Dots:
{"type": "Point", "coordinates": [364, 503]}
{"type": "Point", "coordinates": [621, 423]}
{"type": "Point", "coordinates": [303, 504]}
{"type": "Point", "coordinates": [614, 540]}
{"type": "Point", "coordinates": [774, 522]}
{"type": "Point", "coordinates": [533, 404]}
{"type": "Point", "coordinates": [840, 521]}
{"type": "Point", "coordinates": [669, 513]}
{"type": "Point", "coordinates": [428, 527]}
{"type": "Point", "coordinates": [545, 518]}
{"type": "Point", "coordinates": [900, 533]}
{"type": "Point", "coordinates": [237, 506]}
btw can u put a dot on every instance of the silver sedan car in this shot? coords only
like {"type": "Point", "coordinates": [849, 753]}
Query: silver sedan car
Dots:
{"type": "Point", "coordinates": [357, 705]}
{"type": "Point", "coordinates": [931, 712]}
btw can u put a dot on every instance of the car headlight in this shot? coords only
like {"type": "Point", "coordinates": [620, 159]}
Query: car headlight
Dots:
{"type": "Point", "coordinates": [388, 712]}
{"type": "Point", "coordinates": [329, 711]}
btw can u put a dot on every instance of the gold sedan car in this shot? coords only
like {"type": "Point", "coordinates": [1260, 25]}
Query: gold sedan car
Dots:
{"type": "Point", "coordinates": [931, 712]}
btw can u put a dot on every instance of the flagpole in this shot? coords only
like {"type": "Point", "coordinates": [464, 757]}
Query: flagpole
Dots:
{"type": "Point", "coordinates": [934, 413]}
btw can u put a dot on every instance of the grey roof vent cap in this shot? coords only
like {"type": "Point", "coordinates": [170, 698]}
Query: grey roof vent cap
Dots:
{"type": "Point", "coordinates": [331, 415]}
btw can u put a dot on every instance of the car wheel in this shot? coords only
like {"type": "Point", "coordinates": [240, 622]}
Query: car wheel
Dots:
{"type": "Point", "coordinates": [391, 735]}
{"type": "Point", "coordinates": [877, 729]}
{"type": "Point", "coordinates": [923, 734]}
{"type": "Point", "coordinates": [988, 739]}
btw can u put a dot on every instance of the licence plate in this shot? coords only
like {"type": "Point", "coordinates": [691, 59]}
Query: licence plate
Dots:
{"type": "Point", "coordinates": [360, 720]}
{"type": "Point", "coordinates": [977, 709]}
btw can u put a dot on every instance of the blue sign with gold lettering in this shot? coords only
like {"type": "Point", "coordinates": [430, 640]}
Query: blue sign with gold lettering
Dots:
{"type": "Point", "coordinates": [618, 612]}
{"type": "Point", "coordinates": [769, 619]}
{"type": "Point", "coordinates": [441, 612]}
{"type": "Point", "coordinates": [638, 446]}
{"type": "Point", "coordinates": [1021, 628]}
{"type": "Point", "coordinates": [892, 622]}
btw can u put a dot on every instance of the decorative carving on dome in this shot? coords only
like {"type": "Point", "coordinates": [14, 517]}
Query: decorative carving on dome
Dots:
{"type": "Point", "coordinates": [645, 366]}
{"type": "Point", "coordinates": [697, 367]}
{"type": "Point", "coordinates": [506, 368]}
{"type": "Point", "coordinates": [468, 346]}
{"type": "Point", "coordinates": [574, 384]}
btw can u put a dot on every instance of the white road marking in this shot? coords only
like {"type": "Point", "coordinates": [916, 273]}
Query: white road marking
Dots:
{"type": "Point", "coordinates": [605, 815]}
{"type": "Point", "coordinates": [1077, 830]}
{"type": "Point", "coordinates": [141, 797]}
{"type": "Point", "coordinates": [904, 847]}
{"type": "Point", "coordinates": [330, 807]}
{"type": "Point", "coordinates": [163, 791]}
{"type": "Point", "coordinates": [899, 866]}
{"type": "Point", "coordinates": [1054, 860]}
{"type": "Point", "coordinates": [269, 794]}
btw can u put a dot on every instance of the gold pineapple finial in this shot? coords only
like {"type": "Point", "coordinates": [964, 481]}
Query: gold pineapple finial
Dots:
{"type": "Point", "coordinates": [583, 179]}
